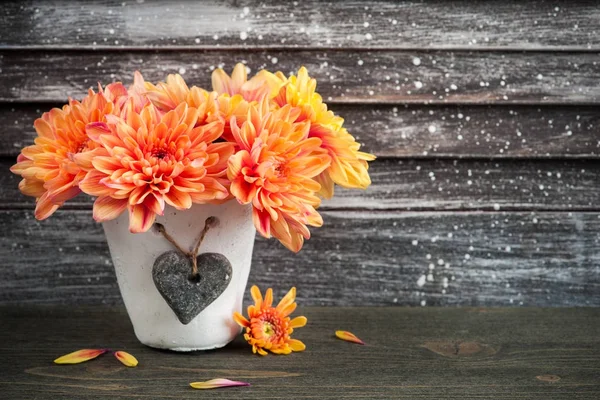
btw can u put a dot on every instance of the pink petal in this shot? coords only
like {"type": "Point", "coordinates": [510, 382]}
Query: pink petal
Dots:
{"type": "Point", "coordinates": [217, 383]}
{"type": "Point", "coordinates": [79, 356]}
{"type": "Point", "coordinates": [127, 359]}
{"type": "Point", "coordinates": [349, 337]}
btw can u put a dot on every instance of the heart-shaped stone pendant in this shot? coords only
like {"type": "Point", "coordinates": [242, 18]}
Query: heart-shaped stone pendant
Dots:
{"type": "Point", "coordinates": [188, 296]}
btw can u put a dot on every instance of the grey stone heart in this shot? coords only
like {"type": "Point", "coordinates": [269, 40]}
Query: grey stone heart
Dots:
{"type": "Point", "coordinates": [188, 296]}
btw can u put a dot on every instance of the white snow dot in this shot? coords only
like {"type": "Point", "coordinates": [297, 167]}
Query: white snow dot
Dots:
{"type": "Point", "coordinates": [416, 61]}
{"type": "Point", "coordinates": [431, 129]}
{"type": "Point", "coordinates": [243, 35]}
{"type": "Point", "coordinates": [418, 84]}
{"type": "Point", "coordinates": [368, 36]}
{"type": "Point", "coordinates": [421, 280]}
{"type": "Point", "coordinates": [181, 71]}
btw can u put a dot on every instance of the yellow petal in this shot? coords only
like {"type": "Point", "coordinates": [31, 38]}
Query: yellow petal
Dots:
{"type": "Point", "coordinates": [126, 359]}
{"type": "Point", "coordinates": [288, 299]}
{"type": "Point", "coordinates": [349, 337]}
{"type": "Point", "coordinates": [256, 296]}
{"type": "Point", "coordinates": [79, 356]}
{"type": "Point", "coordinates": [297, 345]}
{"type": "Point", "coordinates": [261, 351]}
{"type": "Point", "coordinates": [217, 383]}
{"type": "Point", "coordinates": [268, 302]}
{"type": "Point", "coordinates": [298, 322]}
{"type": "Point", "coordinates": [240, 320]}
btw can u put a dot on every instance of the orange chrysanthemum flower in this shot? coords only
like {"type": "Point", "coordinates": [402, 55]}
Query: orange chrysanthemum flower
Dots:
{"type": "Point", "coordinates": [61, 156]}
{"type": "Point", "coordinates": [274, 170]}
{"type": "Point", "coordinates": [259, 86]}
{"type": "Point", "coordinates": [150, 160]}
{"type": "Point", "coordinates": [232, 106]}
{"type": "Point", "coordinates": [168, 95]}
{"type": "Point", "coordinates": [269, 141]}
{"type": "Point", "coordinates": [269, 328]}
{"type": "Point", "coordinates": [349, 166]}
{"type": "Point", "coordinates": [236, 93]}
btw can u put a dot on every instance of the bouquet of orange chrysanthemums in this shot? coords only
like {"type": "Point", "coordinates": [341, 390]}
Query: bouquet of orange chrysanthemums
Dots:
{"type": "Point", "coordinates": [269, 141]}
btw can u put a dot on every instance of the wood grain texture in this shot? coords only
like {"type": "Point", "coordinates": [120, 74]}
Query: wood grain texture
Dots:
{"type": "Point", "coordinates": [347, 76]}
{"type": "Point", "coordinates": [425, 353]}
{"type": "Point", "coordinates": [428, 185]}
{"type": "Point", "coordinates": [356, 258]}
{"type": "Point", "coordinates": [421, 84]}
{"type": "Point", "coordinates": [415, 131]}
{"type": "Point", "coordinates": [535, 25]}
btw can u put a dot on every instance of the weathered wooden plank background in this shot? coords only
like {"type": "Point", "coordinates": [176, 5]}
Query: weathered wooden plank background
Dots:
{"type": "Point", "coordinates": [485, 117]}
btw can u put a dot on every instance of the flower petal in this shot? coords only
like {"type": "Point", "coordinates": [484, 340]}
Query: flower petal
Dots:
{"type": "Point", "coordinates": [107, 208]}
{"type": "Point", "coordinates": [268, 301]}
{"type": "Point", "coordinates": [349, 337]}
{"type": "Point", "coordinates": [45, 207]}
{"type": "Point", "coordinates": [288, 299]}
{"type": "Point", "coordinates": [297, 345]}
{"type": "Point", "coordinates": [126, 359]}
{"type": "Point", "coordinates": [256, 295]}
{"type": "Point", "coordinates": [217, 383]}
{"type": "Point", "coordinates": [241, 320]}
{"type": "Point", "coordinates": [79, 356]}
{"type": "Point", "coordinates": [298, 322]}
{"type": "Point", "coordinates": [140, 218]}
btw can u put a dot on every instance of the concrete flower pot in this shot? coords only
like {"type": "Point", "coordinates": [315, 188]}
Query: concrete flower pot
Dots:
{"type": "Point", "coordinates": [134, 255]}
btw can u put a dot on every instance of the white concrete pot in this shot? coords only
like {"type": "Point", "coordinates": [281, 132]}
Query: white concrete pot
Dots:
{"type": "Point", "coordinates": [133, 256]}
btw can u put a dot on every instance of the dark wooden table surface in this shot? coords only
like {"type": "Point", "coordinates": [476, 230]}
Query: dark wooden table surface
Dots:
{"type": "Point", "coordinates": [413, 353]}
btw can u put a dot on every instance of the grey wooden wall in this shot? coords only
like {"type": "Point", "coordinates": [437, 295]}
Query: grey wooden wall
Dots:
{"type": "Point", "coordinates": [484, 116]}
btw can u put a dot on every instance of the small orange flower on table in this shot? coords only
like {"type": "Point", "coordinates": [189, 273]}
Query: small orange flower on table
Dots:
{"type": "Point", "coordinates": [269, 328]}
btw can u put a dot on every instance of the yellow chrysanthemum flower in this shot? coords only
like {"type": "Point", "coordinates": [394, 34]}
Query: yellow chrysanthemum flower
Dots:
{"type": "Point", "coordinates": [269, 328]}
{"type": "Point", "coordinates": [349, 166]}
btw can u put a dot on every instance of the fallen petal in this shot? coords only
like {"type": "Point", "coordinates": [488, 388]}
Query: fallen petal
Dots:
{"type": "Point", "coordinates": [79, 356]}
{"type": "Point", "coordinates": [217, 383]}
{"type": "Point", "coordinates": [349, 337]}
{"type": "Point", "coordinates": [127, 359]}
